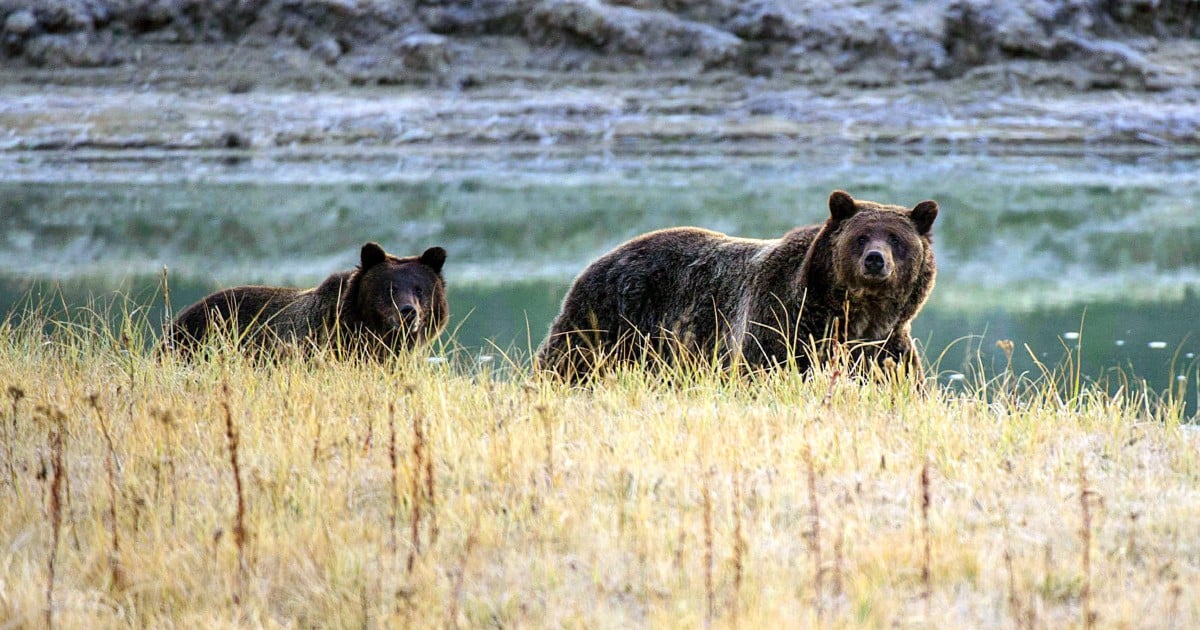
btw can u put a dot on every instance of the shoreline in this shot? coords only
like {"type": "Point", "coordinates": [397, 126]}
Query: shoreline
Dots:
{"type": "Point", "coordinates": [741, 113]}
{"type": "Point", "coordinates": [220, 74]}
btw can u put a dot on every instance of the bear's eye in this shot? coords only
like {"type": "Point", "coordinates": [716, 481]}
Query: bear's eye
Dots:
{"type": "Point", "coordinates": [418, 292]}
{"type": "Point", "coordinates": [862, 241]}
{"type": "Point", "coordinates": [893, 240]}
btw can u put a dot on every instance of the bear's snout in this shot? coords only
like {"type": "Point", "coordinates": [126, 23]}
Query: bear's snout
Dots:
{"type": "Point", "coordinates": [875, 264]}
{"type": "Point", "coordinates": [405, 317]}
{"type": "Point", "coordinates": [410, 317]}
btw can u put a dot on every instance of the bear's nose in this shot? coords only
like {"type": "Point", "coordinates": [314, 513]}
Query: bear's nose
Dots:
{"type": "Point", "coordinates": [408, 311]}
{"type": "Point", "coordinates": [874, 263]}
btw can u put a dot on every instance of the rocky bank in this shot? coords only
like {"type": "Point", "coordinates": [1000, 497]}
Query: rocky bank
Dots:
{"type": "Point", "coordinates": [253, 74]}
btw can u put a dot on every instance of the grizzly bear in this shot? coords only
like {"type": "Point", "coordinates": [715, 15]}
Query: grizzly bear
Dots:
{"type": "Point", "coordinates": [860, 277]}
{"type": "Point", "coordinates": [385, 305]}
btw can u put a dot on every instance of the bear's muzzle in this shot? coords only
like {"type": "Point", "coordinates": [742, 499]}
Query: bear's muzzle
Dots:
{"type": "Point", "coordinates": [405, 319]}
{"type": "Point", "coordinates": [875, 265]}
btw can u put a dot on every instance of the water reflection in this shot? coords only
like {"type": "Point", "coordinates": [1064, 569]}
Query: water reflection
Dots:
{"type": "Point", "coordinates": [1036, 249]}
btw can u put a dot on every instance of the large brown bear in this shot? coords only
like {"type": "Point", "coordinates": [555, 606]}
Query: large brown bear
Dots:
{"type": "Point", "coordinates": [862, 276]}
{"type": "Point", "coordinates": [387, 304]}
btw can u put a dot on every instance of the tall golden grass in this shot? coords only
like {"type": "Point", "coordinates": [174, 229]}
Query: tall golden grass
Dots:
{"type": "Point", "coordinates": [142, 491]}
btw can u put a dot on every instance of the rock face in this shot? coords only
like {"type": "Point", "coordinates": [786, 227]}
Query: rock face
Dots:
{"type": "Point", "coordinates": [650, 34]}
{"type": "Point", "coordinates": [1133, 44]}
{"type": "Point", "coordinates": [20, 23]}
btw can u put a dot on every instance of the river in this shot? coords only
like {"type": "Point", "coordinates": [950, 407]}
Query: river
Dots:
{"type": "Point", "coordinates": [1089, 252]}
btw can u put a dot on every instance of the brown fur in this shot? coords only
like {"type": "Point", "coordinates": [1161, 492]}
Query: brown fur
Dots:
{"type": "Point", "coordinates": [762, 301]}
{"type": "Point", "coordinates": [386, 304]}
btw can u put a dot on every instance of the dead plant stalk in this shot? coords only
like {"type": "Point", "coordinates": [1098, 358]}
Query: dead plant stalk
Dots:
{"type": "Point", "coordinates": [1085, 537]}
{"type": "Point", "coordinates": [395, 477]}
{"type": "Point", "coordinates": [110, 469]}
{"type": "Point", "coordinates": [739, 546]}
{"type": "Point", "coordinates": [709, 594]}
{"type": "Point", "coordinates": [814, 506]}
{"type": "Point", "coordinates": [926, 537]}
{"type": "Point", "coordinates": [418, 458]}
{"type": "Point", "coordinates": [239, 523]}
{"type": "Point", "coordinates": [58, 474]}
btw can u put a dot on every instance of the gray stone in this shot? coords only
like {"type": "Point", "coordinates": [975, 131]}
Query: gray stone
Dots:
{"type": "Point", "coordinates": [65, 51]}
{"type": "Point", "coordinates": [70, 15]}
{"type": "Point", "coordinates": [326, 49]}
{"type": "Point", "coordinates": [650, 34]}
{"type": "Point", "coordinates": [20, 22]}
{"type": "Point", "coordinates": [424, 52]}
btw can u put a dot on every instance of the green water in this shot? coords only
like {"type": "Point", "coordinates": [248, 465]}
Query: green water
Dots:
{"type": "Point", "coordinates": [1030, 247]}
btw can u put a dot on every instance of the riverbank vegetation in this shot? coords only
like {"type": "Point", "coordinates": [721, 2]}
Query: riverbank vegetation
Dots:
{"type": "Point", "coordinates": [142, 491]}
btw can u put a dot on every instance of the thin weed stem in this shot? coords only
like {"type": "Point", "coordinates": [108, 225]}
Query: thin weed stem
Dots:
{"type": "Point", "coordinates": [739, 546]}
{"type": "Point", "coordinates": [548, 428]}
{"type": "Point", "coordinates": [110, 469]}
{"type": "Point", "coordinates": [369, 438]}
{"type": "Point", "coordinates": [239, 523]}
{"type": "Point", "coordinates": [418, 459]}
{"type": "Point", "coordinates": [460, 576]}
{"type": "Point", "coordinates": [1014, 600]}
{"type": "Point", "coordinates": [166, 293]}
{"type": "Point", "coordinates": [431, 494]}
{"type": "Point", "coordinates": [709, 594]}
{"type": "Point", "coordinates": [927, 538]}
{"type": "Point", "coordinates": [1085, 539]}
{"type": "Point", "coordinates": [1174, 592]}
{"type": "Point", "coordinates": [15, 394]}
{"type": "Point", "coordinates": [837, 560]}
{"type": "Point", "coordinates": [58, 474]}
{"type": "Point", "coordinates": [395, 477]}
{"type": "Point", "coordinates": [316, 446]}
{"type": "Point", "coordinates": [814, 535]}
{"type": "Point", "coordinates": [166, 420]}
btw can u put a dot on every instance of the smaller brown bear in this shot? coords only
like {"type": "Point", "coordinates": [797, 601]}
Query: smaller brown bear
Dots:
{"type": "Point", "coordinates": [860, 277]}
{"type": "Point", "coordinates": [387, 304]}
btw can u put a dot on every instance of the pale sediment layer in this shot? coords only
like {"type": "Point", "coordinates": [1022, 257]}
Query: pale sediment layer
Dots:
{"type": "Point", "coordinates": [190, 74]}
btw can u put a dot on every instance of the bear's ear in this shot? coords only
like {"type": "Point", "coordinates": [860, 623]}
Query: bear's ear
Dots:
{"type": "Point", "coordinates": [841, 206]}
{"type": "Point", "coordinates": [923, 215]}
{"type": "Point", "coordinates": [434, 258]}
{"type": "Point", "coordinates": [372, 254]}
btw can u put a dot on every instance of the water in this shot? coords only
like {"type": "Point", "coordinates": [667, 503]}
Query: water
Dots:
{"type": "Point", "coordinates": [1093, 254]}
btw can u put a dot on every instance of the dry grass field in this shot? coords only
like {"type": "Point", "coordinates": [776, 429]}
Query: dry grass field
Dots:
{"type": "Point", "coordinates": [139, 491]}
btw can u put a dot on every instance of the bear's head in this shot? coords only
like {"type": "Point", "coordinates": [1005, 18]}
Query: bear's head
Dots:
{"type": "Point", "coordinates": [881, 250]}
{"type": "Point", "coordinates": [401, 301]}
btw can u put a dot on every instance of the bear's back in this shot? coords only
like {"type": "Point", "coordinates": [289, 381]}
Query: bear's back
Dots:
{"type": "Point", "coordinates": [248, 309]}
